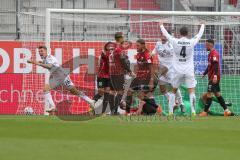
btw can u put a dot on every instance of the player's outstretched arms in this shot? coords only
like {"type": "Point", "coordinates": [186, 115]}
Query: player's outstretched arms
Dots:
{"type": "Point", "coordinates": [47, 66]}
{"type": "Point", "coordinates": [166, 34]}
{"type": "Point", "coordinates": [199, 35]}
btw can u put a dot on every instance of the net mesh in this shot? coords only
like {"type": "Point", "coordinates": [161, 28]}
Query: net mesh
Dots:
{"type": "Point", "coordinates": [77, 40]}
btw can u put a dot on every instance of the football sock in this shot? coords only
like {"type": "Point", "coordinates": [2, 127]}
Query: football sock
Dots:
{"type": "Point", "coordinates": [192, 98]}
{"type": "Point", "coordinates": [222, 102]}
{"type": "Point", "coordinates": [48, 99]}
{"type": "Point", "coordinates": [171, 102]}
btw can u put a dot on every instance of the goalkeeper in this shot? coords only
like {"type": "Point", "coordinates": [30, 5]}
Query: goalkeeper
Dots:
{"type": "Point", "coordinates": [58, 77]}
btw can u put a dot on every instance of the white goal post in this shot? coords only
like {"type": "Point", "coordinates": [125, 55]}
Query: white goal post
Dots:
{"type": "Point", "coordinates": [49, 11]}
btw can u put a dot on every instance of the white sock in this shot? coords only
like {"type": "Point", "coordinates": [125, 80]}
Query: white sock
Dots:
{"type": "Point", "coordinates": [171, 102]}
{"type": "Point", "coordinates": [192, 102]}
{"type": "Point", "coordinates": [167, 95]}
{"type": "Point", "coordinates": [179, 97]}
{"type": "Point", "coordinates": [85, 97]}
{"type": "Point", "coordinates": [226, 110]}
{"type": "Point", "coordinates": [48, 99]}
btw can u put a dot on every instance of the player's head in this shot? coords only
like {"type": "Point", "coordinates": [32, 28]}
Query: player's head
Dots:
{"type": "Point", "coordinates": [209, 44]}
{"type": "Point", "coordinates": [183, 31]}
{"type": "Point", "coordinates": [109, 46]}
{"type": "Point", "coordinates": [119, 37]}
{"type": "Point", "coordinates": [141, 45]}
{"type": "Point", "coordinates": [42, 50]}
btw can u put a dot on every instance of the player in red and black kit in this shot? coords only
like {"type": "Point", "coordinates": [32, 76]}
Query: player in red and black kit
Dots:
{"type": "Point", "coordinates": [103, 79]}
{"type": "Point", "coordinates": [213, 71]}
{"type": "Point", "coordinates": [119, 65]}
{"type": "Point", "coordinates": [145, 81]}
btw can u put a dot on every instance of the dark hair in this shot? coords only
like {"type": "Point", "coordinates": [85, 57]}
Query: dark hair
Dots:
{"type": "Point", "coordinates": [42, 47]}
{"type": "Point", "coordinates": [184, 31]}
{"type": "Point", "coordinates": [118, 35]}
{"type": "Point", "coordinates": [210, 41]}
{"type": "Point", "coordinates": [141, 41]}
{"type": "Point", "coordinates": [106, 46]}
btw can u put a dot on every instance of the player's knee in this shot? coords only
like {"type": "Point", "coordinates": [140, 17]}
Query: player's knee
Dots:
{"type": "Point", "coordinates": [209, 95]}
{"type": "Point", "coordinates": [120, 92]}
{"type": "Point", "coordinates": [217, 94]}
{"type": "Point", "coordinates": [129, 93]}
{"type": "Point", "coordinates": [174, 90]}
{"type": "Point", "coordinates": [46, 88]}
{"type": "Point", "coordinates": [191, 90]}
{"type": "Point", "coordinates": [74, 91]}
{"type": "Point", "coordinates": [163, 89]}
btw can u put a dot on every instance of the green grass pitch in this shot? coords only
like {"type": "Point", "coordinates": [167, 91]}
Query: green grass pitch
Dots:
{"type": "Point", "coordinates": [103, 138]}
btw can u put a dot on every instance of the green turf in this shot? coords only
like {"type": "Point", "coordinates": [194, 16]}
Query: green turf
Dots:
{"type": "Point", "coordinates": [49, 138]}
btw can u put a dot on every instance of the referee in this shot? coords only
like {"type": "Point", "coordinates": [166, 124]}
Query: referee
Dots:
{"type": "Point", "coordinates": [213, 71]}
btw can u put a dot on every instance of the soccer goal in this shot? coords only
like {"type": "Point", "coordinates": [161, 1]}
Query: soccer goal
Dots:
{"type": "Point", "coordinates": [76, 37]}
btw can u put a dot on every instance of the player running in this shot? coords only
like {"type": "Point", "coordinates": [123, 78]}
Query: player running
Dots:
{"type": "Point", "coordinates": [213, 71]}
{"type": "Point", "coordinates": [58, 77]}
{"type": "Point", "coordinates": [164, 51]}
{"type": "Point", "coordinates": [183, 66]}
{"type": "Point", "coordinates": [119, 65]}
{"type": "Point", "coordinates": [103, 79]}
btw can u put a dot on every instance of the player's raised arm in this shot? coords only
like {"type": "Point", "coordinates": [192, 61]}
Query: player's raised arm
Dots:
{"type": "Point", "coordinates": [165, 33]}
{"type": "Point", "coordinates": [199, 35]}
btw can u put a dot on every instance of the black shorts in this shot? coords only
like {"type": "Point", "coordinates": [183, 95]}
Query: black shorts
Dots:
{"type": "Point", "coordinates": [103, 82]}
{"type": "Point", "coordinates": [142, 85]}
{"type": "Point", "coordinates": [117, 82]}
{"type": "Point", "coordinates": [213, 87]}
{"type": "Point", "coordinates": [150, 107]}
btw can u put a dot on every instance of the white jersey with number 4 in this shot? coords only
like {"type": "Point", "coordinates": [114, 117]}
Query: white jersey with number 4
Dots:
{"type": "Point", "coordinates": [183, 51]}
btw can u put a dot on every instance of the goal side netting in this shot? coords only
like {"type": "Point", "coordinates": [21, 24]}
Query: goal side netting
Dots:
{"type": "Point", "coordinates": [76, 38]}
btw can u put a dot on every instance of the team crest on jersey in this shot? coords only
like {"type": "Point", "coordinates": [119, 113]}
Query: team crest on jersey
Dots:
{"type": "Point", "coordinates": [214, 58]}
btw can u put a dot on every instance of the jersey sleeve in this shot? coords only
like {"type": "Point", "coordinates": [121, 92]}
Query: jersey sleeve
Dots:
{"type": "Point", "coordinates": [155, 50]}
{"type": "Point", "coordinates": [196, 39]}
{"type": "Point", "coordinates": [53, 61]}
{"type": "Point", "coordinates": [167, 35]}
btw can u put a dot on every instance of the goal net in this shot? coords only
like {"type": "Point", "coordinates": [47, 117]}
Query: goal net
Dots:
{"type": "Point", "coordinates": [76, 38]}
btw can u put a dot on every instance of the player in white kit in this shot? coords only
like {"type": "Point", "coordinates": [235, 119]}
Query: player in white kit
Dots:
{"type": "Point", "coordinates": [58, 77]}
{"type": "Point", "coordinates": [164, 51]}
{"type": "Point", "coordinates": [183, 65]}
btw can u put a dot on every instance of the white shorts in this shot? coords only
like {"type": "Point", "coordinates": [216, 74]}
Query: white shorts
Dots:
{"type": "Point", "coordinates": [66, 82]}
{"type": "Point", "coordinates": [187, 79]}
